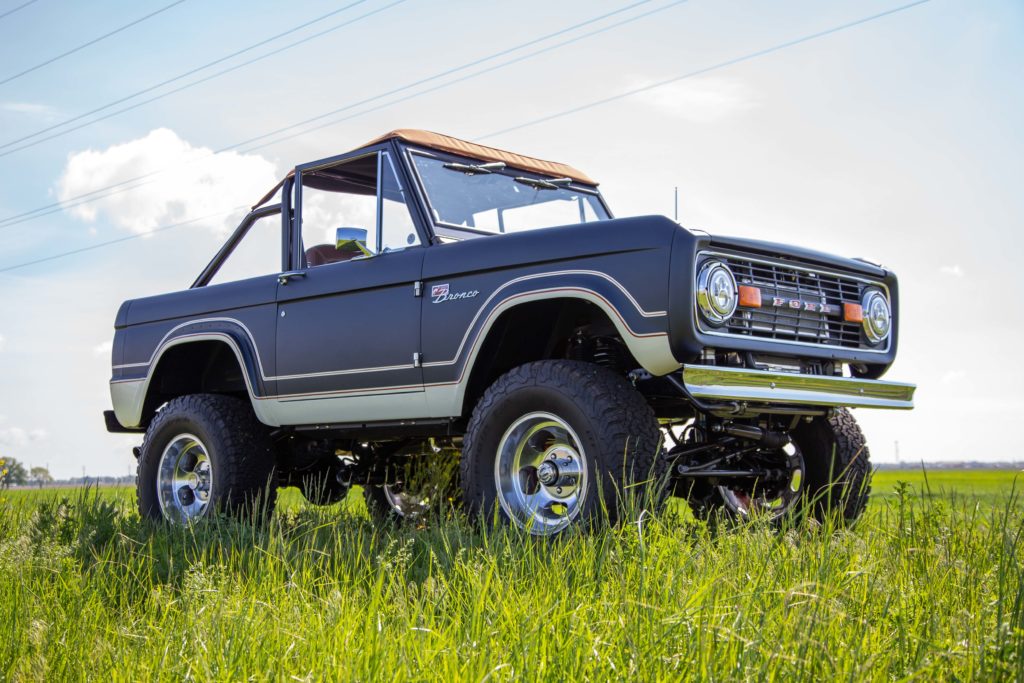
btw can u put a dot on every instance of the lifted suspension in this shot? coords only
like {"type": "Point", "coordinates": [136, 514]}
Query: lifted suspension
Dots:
{"type": "Point", "coordinates": [719, 458]}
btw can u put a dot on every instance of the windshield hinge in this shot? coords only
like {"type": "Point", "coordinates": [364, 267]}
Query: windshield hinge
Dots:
{"type": "Point", "coordinates": [417, 288]}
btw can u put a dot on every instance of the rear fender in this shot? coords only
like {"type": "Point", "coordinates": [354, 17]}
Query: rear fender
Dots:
{"type": "Point", "coordinates": [132, 386]}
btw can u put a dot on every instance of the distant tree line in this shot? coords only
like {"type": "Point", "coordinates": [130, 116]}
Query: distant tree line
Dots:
{"type": "Point", "coordinates": [13, 473]}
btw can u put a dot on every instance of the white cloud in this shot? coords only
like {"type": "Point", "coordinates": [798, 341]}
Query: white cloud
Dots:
{"type": "Point", "coordinates": [955, 270]}
{"type": "Point", "coordinates": [952, 376]}
{"type": "Point", "coordinates": [30, 108]}
{"type": "Point", "coordinates": [196, 183]}
{"type": "Point", "coordinates": [703, 99]}
{"type": "Point", "coordinates": [103, 348]}
{"type": "Point", "coordinates": [3, 342]}
{"type": "Point", "coordinates": [18, 437]}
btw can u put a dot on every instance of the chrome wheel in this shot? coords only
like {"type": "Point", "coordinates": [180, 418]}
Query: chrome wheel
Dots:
{"type": "Point", "coordinates": [425, 484]}
{"type": "Point", "coordinates": [184, 482]}
{"type": "Point", "coordinates": [768, 500]}
{"type": "Point", "coordinates": [404, 504]}
{"type": "Point", "coordinates": [541, 473]}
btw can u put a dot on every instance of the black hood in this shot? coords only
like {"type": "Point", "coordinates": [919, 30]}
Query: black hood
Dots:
{"type": "Point", "coordinates": [801, 254]}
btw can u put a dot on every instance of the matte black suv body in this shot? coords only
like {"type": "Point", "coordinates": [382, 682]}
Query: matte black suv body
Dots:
{"type": "Point", "coordinates": [733, 345]}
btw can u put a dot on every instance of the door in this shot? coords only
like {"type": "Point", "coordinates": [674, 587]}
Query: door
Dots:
{"type": "Point", "coordinates": [348, 321]}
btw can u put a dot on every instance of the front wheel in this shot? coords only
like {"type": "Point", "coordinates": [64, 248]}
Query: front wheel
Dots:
{"type": "Point", "coordinates": [559, 443]}
{"type": "Point", "coordinates": [838, 466]}
{"type": "Point", "coordinates": [205, 453]}
{"type": "Point", "coordinates": [827, 466]}
{"type": "Point", "coordinates": [768, 500]}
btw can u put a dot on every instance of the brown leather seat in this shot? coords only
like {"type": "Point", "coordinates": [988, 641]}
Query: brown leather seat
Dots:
{"type": "Point", "coordinates": [322, 254]}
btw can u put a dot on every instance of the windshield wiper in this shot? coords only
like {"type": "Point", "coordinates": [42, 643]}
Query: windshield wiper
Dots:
{"type": "Point", "coordinates": [473, 169]}
{"type": "Point", "coordinates": [540, 184]}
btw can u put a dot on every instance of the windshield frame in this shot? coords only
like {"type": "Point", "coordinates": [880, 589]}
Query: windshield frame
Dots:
{"type": "Point", "coordinates": [461, 232]}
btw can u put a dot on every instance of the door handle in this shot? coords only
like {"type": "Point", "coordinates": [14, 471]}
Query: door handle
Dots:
{"type": "Point", "coordinates": [285, 278]}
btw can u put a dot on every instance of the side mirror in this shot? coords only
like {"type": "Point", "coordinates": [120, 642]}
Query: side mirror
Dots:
{"type": "Point", "coordinates": [351, 241]}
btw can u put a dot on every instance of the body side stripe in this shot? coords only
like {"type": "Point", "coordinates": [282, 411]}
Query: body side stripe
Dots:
{"type": "Point", "coordinates": [259, 362]}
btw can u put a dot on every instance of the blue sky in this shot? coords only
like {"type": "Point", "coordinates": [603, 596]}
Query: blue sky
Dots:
{"type": "Point", "coordinates": [899, 140]}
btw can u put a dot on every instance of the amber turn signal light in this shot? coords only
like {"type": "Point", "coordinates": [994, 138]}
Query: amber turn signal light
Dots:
{"type": "Point", "coordinates": [750, 296]}
{"type": "Point", "coordinates": [853, 313]}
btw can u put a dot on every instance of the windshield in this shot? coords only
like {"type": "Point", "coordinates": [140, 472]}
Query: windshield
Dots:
{"type": "Point", "coordinates": [490, 198]}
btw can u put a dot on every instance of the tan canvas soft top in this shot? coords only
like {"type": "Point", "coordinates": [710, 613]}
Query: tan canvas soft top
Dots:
{"type": "Point", "coordinates": [446, 143]}
{"type": "Point", "coordinates": [270, 195]}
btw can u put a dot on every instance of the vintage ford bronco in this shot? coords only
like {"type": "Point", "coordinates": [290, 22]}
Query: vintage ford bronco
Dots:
{"type": "Point", "coordinates": [434, 311]}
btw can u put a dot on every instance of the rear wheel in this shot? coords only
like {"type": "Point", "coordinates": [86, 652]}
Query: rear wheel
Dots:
{"type": "Point", "coordinates": [558, 443]}
{"type": "Point", "coordinates": [205, 453]}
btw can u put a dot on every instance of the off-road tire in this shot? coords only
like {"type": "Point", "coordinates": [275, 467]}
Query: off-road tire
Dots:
{"type": "Point", "coordinates": [321, 486]}
{"type": "Point", "coordinates": [837, 466]}
{"type": "Point", "coordinates": [240, 451]}
{"type": "Point", "coordinates": [617, 427]}
{"type": "Point", "coordinates": [378, 507]}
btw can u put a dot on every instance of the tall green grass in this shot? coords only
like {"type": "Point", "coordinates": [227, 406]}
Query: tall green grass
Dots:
{"type": "Point", "coordinates": [927, 585]}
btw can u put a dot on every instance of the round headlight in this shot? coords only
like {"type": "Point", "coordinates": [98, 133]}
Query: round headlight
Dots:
{"type": "Point", "coordinates": [877, 316]}
{"type": "Point", "coordinates": [716, 292]}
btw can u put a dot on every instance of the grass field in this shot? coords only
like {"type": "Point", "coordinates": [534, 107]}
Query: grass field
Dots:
{"type": "Point", "coordinates": [928, 585]}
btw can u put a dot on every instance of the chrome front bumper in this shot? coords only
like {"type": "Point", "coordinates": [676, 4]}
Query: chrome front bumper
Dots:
{"type": "Point", "coordinates": [781, 388]}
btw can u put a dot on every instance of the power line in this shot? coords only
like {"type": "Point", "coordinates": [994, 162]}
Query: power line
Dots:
{"type": "Point", "coordinates": [135, 236]}
{"type": "Point", "coordinates": [461, 79]}
{"type": "Point", "coordinates": [119, 187]}
{"type": "Point", "coordinates": [720, 65]}
{"type": "Point", "coordinates": [15, 9]}
{"type": "Point", "coordinates": [86, 44]}
{"type": "Point", "coordinates": [700, 72]}
{"type": "Point", "coordinates": [186, 74]}
{"type": "Point", "coordinates": [8, 146]}
{"type": "Point", "coordinates": [70, 203]}
{"type": "Point", "coordinates": [59, 206]}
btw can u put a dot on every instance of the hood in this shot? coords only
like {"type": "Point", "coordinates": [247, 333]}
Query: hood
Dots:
{"type": "Point", "coordinates": [797, 253]}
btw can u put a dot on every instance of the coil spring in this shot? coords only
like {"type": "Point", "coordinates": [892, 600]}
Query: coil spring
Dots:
{"type": "Point", "coordinates": [607, 353]}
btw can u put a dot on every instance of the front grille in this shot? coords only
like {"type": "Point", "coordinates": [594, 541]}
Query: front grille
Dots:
{"type": "Point", "coordinates": [817, 320]}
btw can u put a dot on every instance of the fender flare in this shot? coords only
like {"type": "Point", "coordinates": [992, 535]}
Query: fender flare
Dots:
{"type": "Point", "coordinates": [649, 345]}
{"type": "Point", "coordinates": [129, 395]}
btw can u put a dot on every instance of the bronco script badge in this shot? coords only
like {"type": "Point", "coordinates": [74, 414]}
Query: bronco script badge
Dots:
{"type": "Point", "coordinates": [440, 293]}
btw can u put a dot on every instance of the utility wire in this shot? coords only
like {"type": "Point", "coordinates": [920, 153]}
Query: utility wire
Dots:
{"type": "Point", "coordinates": [120, 187]}
{"type": "Point", "coordinates": [127, 238]}
{"type": "Point", "coordinates": [9, 147]}
{"type": "Point", "coordinates": [186, 74]}
{"type": "Point", "coordinates": [699, 72]}
{"type": "Point", "coordinates": [450, 83]}
{"type": "Point", "coordinates": [15, 9]}
{"type": "Point", "coordinates": [87, 44]}
{"type": "Point", "coordinates": [720, 65]}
